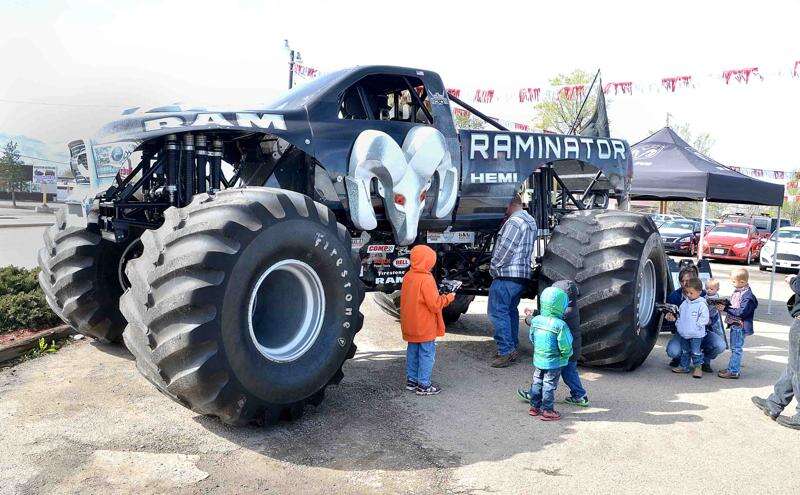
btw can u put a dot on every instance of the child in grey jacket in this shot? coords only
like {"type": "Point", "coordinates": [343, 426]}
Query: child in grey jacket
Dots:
{"type": "Point", "coordinates": [691, 324]}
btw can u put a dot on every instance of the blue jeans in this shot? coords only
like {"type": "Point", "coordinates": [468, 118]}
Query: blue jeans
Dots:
{"type": "Point", "coordinates": [504, 296]}
{"type": "Point", "coordinates": [543, 388]}
{"type": "Point", "coordinates": [691, 348]}
{"type": "Point", "coordinates": [419, 362]}
{"type": "Point", "coordinates": [713, 345]}
{"type": "Point", "coordinates": [572, 379]}
{"type": "Point", "coordinates": [737, 343]}
{"type": "Point", "coordinates": [788, 385]}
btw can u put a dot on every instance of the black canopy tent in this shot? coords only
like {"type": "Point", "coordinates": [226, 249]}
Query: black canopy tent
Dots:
{"type": "Point", "coordinates": [667, 168]}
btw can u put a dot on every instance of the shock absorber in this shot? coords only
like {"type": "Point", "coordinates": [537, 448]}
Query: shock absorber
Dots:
{"type": "Point", "coordinates": [171, 166]}
{"type": "Point", "coordinates": [215, 159]}
{"type": "Point", "coordinates": [202, 159]}
{"type": "Point", "coordinates": [188, 168]}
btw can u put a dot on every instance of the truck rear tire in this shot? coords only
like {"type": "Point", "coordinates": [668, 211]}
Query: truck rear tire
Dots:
{"type": "Point", "coordinates": [244, 304]}
{"type": "Point", "coordinates": [79, 278]}
{"type": "Point", "coordinates": [390, 304]}
{"type": "Point", "coordinates": [618, 261]}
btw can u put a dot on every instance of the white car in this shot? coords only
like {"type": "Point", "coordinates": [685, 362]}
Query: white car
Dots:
{"type": "Point", "coordinates": [788, 250]}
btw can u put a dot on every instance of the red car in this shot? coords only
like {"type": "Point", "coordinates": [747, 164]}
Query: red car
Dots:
{"type": "Point", "coordinates": [733, 241]}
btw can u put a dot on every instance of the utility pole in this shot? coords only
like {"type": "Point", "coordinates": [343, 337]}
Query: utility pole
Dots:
{"type": "Point", "coordinates": [294, 57]}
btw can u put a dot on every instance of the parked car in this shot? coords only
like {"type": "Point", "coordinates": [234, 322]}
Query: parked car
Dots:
{"type": "Point", "coordinates": [660, 218]}
{"type": "Point", "coordinates": [788, 254]}
{"type": "Point", "coordinates": [680, 236]}
{"type": "Point", "coordinates": [764, 224]}
{"type": "Point", "coordinates": [734, 242]}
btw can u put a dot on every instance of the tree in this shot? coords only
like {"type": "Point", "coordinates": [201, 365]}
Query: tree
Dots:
{"type": "Point", "coordinates": [560, 111]}
{"type": "Point", "coordinates": [12, 171]}
{"type": "Point", "coordinates": [468, 121]}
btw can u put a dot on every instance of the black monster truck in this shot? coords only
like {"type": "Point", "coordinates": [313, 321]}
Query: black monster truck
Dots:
{"type": "Point", "coordinates": [234, 247]}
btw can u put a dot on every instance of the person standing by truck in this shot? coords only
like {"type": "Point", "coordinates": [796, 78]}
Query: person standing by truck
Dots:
{"type": "Point", "coordinates": [788, 385]}
{"type": "Point", "coordinates": [511, 272]}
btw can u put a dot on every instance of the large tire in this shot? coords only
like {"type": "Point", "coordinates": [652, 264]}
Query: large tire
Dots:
{"type": "Point", "coordinates": [80, 279]}
{"type": "Point", "coordinates": [244, 304]}
{"type": "Point", "coordinates": [390, 304]}
{"type": "Point", "coordinates": [617, 259]}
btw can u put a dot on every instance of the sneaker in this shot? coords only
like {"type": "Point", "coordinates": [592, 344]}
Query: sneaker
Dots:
{"type": "Point", "coordinates": [698, 372]}
{"type": "Point", "coordinates": [524, 395]}
{"type": "Point", "coordinates": [793, 422]}
{"type": "Point", "coordinates": [582, 402]}
{"type": "Point", "coordinates": [550, 415]}
{"type": "Point", "coordinates": [764, 406]}
{"type": "Point", "coordinates": [502, 361]}
{"type": "Point", "coordinates": [411, 385]}
{"type": "Point", "coordinates": [707, 368]}
{"type": "Point", "coordinates": [678, 369]}
{"type": "Point", "coordinates": [727, 374]}
{"type": "Point", "coordinates": [534, 411]}
{"type": "Point", "coordinates": [430, 390]}
{"type": "Point", "coordinates": [675, 362]}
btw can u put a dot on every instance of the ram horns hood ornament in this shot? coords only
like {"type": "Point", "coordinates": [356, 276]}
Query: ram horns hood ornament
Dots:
{"type": "Point", "coordinates": [404, 175]}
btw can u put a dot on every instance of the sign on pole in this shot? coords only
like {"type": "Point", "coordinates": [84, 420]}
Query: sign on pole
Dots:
{"type": "Point", "coordinates": [44, 174]}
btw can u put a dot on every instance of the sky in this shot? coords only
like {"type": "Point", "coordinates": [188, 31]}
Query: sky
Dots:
{"type": "Point", "coordinates": [77, 64]}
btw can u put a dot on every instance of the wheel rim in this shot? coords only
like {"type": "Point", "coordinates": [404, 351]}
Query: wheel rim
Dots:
{"type": "Point", "coordinates": [647, 293]}
{"type": "Point", "coordinates": [278, 334]}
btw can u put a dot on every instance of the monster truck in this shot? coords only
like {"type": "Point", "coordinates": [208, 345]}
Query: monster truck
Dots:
{"type": "Point", "coordinates": [231, 250]}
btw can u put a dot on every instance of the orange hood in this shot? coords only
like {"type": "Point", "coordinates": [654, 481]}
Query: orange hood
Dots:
{"type": "Point", "coordinates": [422, 258]}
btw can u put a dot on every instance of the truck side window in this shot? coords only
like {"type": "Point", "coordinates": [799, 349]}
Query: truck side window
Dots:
{"type": "Point", "coordinates": [387, 97]}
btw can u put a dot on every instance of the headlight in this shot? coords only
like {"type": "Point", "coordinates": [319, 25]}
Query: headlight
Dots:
{"type": "Point", "coordinates": [685, 238]}
{"type": "Point", "coordinates": [109, 158]}
{"type": "Point", "coordinates": [767, 249]}
{"type": "Point", "coordinates": [740, 245]}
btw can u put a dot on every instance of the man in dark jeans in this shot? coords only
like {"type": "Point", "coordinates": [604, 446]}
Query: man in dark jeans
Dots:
{"type": "Point", "coordinates": [511, 270]}
{"type": "Point", "coordinates": [788, 385]}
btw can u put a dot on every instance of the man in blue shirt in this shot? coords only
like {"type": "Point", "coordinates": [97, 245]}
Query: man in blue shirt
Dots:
{"type": "Point", "coordinates": [511, 270]}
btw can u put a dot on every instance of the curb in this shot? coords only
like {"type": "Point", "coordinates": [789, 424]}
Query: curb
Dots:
{"type": "Point", "coordinates": [17, 348]}
{"type": "Point", "coordinates": [22, 225]}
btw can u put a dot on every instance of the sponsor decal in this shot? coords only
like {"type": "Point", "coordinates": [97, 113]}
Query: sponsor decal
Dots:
{"type": "Point", "coordinates": [240, 119]}
{"type": "Point", "coordinates": [493, 178]}
{"type": "Point", "coordinates": [508, 146]}
{"type": "Point", "coordinates": [401, 263]}
{"type": "Point", "coordinates": [647, 151]}
{"type": "Point", "coordinates": [451, 237]}
{"type": "Point", "coordinates": [380, 248]}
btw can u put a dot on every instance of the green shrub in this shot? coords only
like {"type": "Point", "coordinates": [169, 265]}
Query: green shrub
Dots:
{"type": "Point", "coordinates": [22, 303]}
{"type": "Point", "coordinates": [14, 280]}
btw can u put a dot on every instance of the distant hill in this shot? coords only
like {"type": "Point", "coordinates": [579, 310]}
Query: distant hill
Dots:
{"type": "Point", "coordinates": [35, 148]}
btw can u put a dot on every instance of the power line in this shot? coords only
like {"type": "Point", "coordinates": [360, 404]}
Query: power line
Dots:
{"type": "Point", "coordinates": [51, 104]}
{"type": "Point", "coordinates": [43, 159]}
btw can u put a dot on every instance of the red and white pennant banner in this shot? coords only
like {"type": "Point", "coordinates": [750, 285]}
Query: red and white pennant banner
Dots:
{"type": "Point", "coordinates": [759, 173]}
{"type": "Point", "coordinates": [304, 71]}
{"type": "Point", "coordinates": [527, 95]}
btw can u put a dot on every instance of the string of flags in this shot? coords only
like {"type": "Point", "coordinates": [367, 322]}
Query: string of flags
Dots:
{"type": "Point", "coordinates": [668, 84]}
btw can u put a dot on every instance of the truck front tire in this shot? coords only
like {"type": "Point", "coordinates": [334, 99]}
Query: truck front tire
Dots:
{"type": "Point", "coordinates": [618, 261]}
{"type": "Point", "coordinates": [79, 278]}
{"type": "Point", "coordinates": [244, 304]}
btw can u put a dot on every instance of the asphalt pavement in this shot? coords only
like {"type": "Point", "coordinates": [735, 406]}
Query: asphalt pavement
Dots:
{"type": "Point", "coordinates": [83, 420]}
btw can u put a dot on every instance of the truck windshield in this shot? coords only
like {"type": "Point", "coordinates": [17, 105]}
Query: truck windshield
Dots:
{"type": "Point", "coordinates": [302, 94]}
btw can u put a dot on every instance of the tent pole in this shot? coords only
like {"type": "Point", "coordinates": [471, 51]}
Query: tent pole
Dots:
{"type": "Point", "coordinates": [702, 230]}
{"type": "Point", "coordinates": [774, 262]}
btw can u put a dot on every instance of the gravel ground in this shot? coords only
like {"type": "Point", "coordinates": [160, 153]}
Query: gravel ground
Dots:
{"type": "Point", "coordinates": [83, 420]}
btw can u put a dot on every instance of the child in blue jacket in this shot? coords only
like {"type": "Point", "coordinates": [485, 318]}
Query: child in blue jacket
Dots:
{"type": "Point", "coordinates": [739, 318]}
{"type": "Point", "coordinates": [552, 347]}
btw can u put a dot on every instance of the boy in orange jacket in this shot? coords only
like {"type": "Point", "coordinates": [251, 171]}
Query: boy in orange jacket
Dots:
{"type": "Point", "coordinates": [421, 320]}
